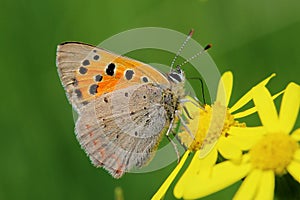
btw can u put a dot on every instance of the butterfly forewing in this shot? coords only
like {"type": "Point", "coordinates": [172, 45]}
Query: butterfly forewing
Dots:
{"type": "Point", "coordinates": [87, 72]}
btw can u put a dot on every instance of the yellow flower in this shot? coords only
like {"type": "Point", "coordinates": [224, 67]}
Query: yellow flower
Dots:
{"type": "Point", "coordinates": [216, 130]}
{"type": "Point", "coordinates": [278, 152]}
{"type": "Point", "coordinates": [275, 153]}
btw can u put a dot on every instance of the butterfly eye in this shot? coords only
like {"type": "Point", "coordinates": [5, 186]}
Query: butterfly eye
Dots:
{"type": "Point", "coordinates": [175, 77]}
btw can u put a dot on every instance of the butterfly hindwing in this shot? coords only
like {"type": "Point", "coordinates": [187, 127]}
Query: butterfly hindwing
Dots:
{"type": "Point", "coordinates": [121, 130]}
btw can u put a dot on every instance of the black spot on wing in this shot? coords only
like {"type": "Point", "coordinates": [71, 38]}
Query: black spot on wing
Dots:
{"type": "Point", "coordinates": [129, 74]}
{"type": "Point", "coordinates": [93, 89]}
{"type": "Point", "coordinates": [145, 79]}
{"type": "Point", "coordinates": [98, 78]}
{"type": "Point", "coordinates": [83, 70]}
{"type": "Point", "coordinates": [75, 82]}
{"type": "Point", "coordinates": [78, 93]}
{"type": "Point", "coordinates": [86, 63]}
{"type": "Point", "coordinates": [96, 57]}
{"type": "Point", "coordinates": [110, 69]}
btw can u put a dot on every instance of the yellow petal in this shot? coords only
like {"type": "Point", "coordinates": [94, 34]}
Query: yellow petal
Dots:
{"type": "Point", "coordinates": [289, 108]}
{"type": "Point", "coordinates": [223, 175]}
{"type": "Point", "coordinates": [266, 186]}
{"type": "Point", "coordinates": [266, 108]}
{"type": "Point", "coordinates": [248, 96]}
{"type": "Point", "coordinates": [245, 138]}
{"type": "Point", "coordinates": [266, 81]}
{"type": "Point", "coordinates": [297, 155]}
{"type": "Point", "coordinates": [278, 94]}
{"type": "Point", "coordinates": [209, 160]}
{"type": "Point", "coordinates": [244, 113]}
{"type": "Point", "coordinates": [294, 170]}
{"type": "Point", "coordinates": [246, 158]}
{"type": "Point", "coordinates": [247, 131]}
{"type": "Point", "coordinates": [225, 88]}
{"type": "Point", "coordinates": [241, 102]}
{"type": "Point", "coordinates": [201, 165]}
{"type": "Point", "coordinates": [163, 189]}
{"type": "Point", "coordinates": [228, 149]}
{"type": "Point", "coordinates": [243, 143]}
{"type": "Point", "coordinates": [249, 187]}
{"type": "Point", "coordinates": [206, 149]}
{"type": "Point", "coordinates": [198, 167]}
{"type": "Point", "coordinates": [228, 172]}
{"type": "Point", "coordinates": [252, 110]}
{"type": "Point", "coordinates": [296, 134]}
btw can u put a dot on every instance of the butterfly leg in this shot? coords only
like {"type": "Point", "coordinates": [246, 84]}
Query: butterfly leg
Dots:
{"type": "Point", "coordinates": [171, 141]}
{"type": "Point", "coordinates": [183, 101]}
{"type": "Point", "coordinates": [170, 127]}
{"type": "Point", "coordinates": [175, 148]}
{"type": "Point", "coordinates": [184, 125]}
{"type": "Point", "coordinates": [178, 139]}
{"type": "Point", "coordinates": [187, 112]}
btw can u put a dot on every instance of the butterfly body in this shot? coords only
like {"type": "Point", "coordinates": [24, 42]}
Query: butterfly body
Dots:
{"type": "Point", "coordinates": [124, 106]}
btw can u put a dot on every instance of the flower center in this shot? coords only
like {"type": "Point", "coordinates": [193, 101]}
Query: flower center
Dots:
{"type": "Point", "coordinates": [208, 124]}
{"type": "Point", "coordinates": [273, 152]}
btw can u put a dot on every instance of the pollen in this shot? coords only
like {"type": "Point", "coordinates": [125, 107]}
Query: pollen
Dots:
{"type": "Point", "coordinates": [208, 124]}
{"type": "Point", "coordinates": [273, 152]}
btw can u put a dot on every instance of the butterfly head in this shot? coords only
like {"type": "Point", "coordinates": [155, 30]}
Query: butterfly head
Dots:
{"type": "Point", "coordinates": [176, 75]}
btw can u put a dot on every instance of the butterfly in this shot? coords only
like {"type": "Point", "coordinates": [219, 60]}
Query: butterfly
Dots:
{"type": "Point", "coordinates": [124, 106]}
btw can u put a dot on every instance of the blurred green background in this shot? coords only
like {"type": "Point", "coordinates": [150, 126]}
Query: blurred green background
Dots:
{"type": "Point", "coordinates": [40, 156]}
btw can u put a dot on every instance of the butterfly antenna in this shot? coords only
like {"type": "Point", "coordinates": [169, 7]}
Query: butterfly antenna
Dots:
{"type": "Point", "coordinates": [196, 55]}
{"type": "Point", "coordinates": [182, 46]}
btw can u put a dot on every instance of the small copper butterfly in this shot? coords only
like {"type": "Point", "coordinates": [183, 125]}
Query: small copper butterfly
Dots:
{"type": "Point", "coordinates": [124, 106]}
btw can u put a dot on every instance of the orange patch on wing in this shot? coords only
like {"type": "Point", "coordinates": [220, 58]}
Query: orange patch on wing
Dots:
{"type": "Point", "coordinates": [91, 134]}
{"type": "Point", "coordinates": [117, 80]}
{"type": "Point", "coordinates": [87, 126]}
{"type": "Point", "coordinates": [102, 152]}
{"type": "Point", "coordinates": [95, 142]}
{"type": "Point", "coordinates": [129, 63]}
{"type": "Point", "coordinates": [106, 86]}
{"type": "Point", "coordinates": [118, 163]}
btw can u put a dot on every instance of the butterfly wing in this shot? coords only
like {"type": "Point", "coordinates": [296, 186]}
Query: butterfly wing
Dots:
{"type": "Point", "coordinates": [121, 117]}
{"type": "Point", "coordinates": [87, 72]}
{"type": "Point", "coordinates": [121, 130]}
